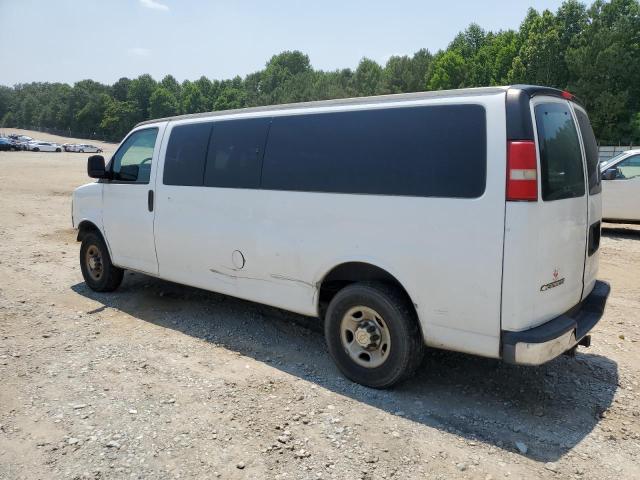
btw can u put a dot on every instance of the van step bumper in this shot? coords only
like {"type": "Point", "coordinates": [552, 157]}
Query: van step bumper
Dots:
{"type": "Point", "coordinates": [545, 342]}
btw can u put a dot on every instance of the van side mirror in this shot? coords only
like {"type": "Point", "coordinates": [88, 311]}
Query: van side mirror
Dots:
{"type": "Point", "coordinates": [95, 167]}
{"type": "Point", "coordinates": [610, 174]}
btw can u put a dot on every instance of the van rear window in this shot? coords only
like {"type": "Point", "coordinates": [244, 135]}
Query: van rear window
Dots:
{"type": "Point", "coordinates": [560, 155]}
{"type": "Point", "coordinates": [430, 151]}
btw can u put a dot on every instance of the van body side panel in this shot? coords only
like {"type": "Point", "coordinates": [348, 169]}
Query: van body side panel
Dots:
{"type": "Point", "coordinates": [87, 205]}
{"type": "Point", "coordinates": [198, 229]}
{"type": "Point", "coordinates": [446, 252]}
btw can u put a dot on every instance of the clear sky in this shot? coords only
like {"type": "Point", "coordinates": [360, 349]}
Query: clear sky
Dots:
{"type": "Point", "coordinates": [70, 40]}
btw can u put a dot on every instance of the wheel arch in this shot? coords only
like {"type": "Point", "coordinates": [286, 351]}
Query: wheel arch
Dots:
{"type": "Point", "coordinates": [346, 273]}
{"type": "Point", "coordinates": [87, 226]}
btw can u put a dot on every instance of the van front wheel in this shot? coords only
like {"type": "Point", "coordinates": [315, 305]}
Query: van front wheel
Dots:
{"type": "Point", "coordinates": [98, 271]}
{"type": "Point", "coordinates": [372, 334]}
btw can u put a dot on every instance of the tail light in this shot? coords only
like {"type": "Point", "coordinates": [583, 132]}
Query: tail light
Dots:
{"type": "Point", "coordinates": [522, 171]}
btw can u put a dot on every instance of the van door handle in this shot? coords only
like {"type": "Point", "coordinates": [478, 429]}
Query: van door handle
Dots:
{"type": "Point", "coordinates": [150, 201]}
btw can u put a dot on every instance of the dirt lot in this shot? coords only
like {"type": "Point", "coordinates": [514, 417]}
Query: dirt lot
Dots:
{"type": "Point", "coordinates": [163, 381]}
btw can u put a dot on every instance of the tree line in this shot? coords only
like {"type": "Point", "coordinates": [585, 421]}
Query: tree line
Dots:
{"type": "Point", "coordinates": [593, 52]}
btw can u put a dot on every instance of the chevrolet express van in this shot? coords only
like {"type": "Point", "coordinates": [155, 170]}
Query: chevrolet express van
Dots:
{"type": "Point", "coordinates": [466, 220]}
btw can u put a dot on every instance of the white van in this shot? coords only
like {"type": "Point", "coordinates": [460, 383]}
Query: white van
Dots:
{"type": "Point", "coordinates": [466, 220]}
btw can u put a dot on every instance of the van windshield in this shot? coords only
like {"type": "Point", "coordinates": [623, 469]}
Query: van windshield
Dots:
{"type": "Point", "coordinates": [560, 155]}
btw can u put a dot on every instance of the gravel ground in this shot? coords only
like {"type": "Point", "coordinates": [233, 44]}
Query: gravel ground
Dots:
{"type": "Point", "coordinates": [162, 381]}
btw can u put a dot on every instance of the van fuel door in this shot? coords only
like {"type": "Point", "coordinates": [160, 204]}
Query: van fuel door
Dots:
{"type": "Point", "coordinates": [237, 259]}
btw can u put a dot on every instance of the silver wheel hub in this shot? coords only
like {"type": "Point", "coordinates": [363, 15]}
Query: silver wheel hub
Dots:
{"type": "Point", "coordinates": [365, 336]}
{"type": "Point", "coordinates": [93, 261]}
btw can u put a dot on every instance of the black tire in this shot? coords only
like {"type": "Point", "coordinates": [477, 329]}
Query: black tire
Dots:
{"type": "Point", "coordinates": [110, 277]}
{"type": "Point", "coordinates": [406, 348]}
{"type": "Point", "coordinates": [36, 149]}
{"type": "Point", "coordinates": [81, 151]}
{"type": "Point", "coordinates": [58, 150]}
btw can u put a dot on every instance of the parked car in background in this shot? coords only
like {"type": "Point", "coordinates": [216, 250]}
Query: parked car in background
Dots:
{"type": "Point", "coordinates": [20, 144]}
{"type": "Point", "coordinates": [5, 144]}
{"type": "Point", "coordinates": [86, 148]}
{"type": "Point", "coordinates": [621, 188]}
{"type": "Point", "coordinates": [68, 147]}
{"type": "Point", "coordinates": [44, 147]}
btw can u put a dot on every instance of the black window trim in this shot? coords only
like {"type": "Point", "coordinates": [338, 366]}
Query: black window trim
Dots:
{"type": "Point", "coordinates": [109, 169]}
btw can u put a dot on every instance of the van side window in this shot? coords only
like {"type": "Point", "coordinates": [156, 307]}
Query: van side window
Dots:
{"type": "Point", "coordinates": [235, 153]}
{"type": "Point", "coordinates": [132, 161]}
{"type": "Point", "coordinates": [186, 154]}
{"type": "Point", "coordinates": [560, 155]}
{"type": "Point", "coordinates": [591, 152]}
{"type": "Point", "coordinates": [428, 151]}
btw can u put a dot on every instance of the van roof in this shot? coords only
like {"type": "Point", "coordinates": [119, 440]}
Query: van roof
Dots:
{"type": "Point", "coordinates": [531, 90]}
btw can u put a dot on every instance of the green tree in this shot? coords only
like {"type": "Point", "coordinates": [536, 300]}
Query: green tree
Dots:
{"type": "Point", "coordinates": [541, 56]}
{"type": "Point", "coordinates": [469, 42]}
{"type": "Point", "coordinates": [162, 103]}
{"type": "Point", "coordinates": [8, 120]}
{"type": "Point", "coordinates": [139, 93]}
{"type": "Point", "coordinates": [397, 74]}
{"type": "Point", "coordinates": [280, 70]}
{"type": "Point", "coordinates": [7, 96]}
{"type": "Point", "coordinates": [604, 64]}
{"type": "Point", "coordinates": [91, 115]}
{"type": "Point", "coordinates": [420, 63]}
{"type": "Point", "coordinates": [193, 101]}
{"type": "Point", "coordinates": [171, 84]}
{"type": "Point", "coordinates": [119, 118]}
{"type": "Point", "coordinates": [229, 98]}
{"type": "Point", "coordinates": [28, 112]}
{"type": "Point", "coordinates": [120, 89]}
{"type": "Point", "coordinates": [449, 70]}
{"type": "Point", "coordinates": [368, 78]}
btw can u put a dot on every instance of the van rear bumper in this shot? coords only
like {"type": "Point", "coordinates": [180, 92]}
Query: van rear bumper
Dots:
{"type": "Point", "coordinates": [545, 342]}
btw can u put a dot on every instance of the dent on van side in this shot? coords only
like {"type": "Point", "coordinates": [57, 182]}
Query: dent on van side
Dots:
{"type": "Point", "coordinates": [387, 216]}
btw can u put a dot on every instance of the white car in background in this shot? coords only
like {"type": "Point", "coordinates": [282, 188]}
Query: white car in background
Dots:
{"type": "Point", "coordinates": [621, 188]}
{"type": "Point", "coordinates": [86, 148]}
{"type": "Point", "coordinates": [37, 146]}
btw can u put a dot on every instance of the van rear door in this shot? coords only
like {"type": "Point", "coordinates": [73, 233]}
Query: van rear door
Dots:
{"type": "Point", "coordinates": [546, 236]}
{"type": "Point", "coordinates": [594, 190]}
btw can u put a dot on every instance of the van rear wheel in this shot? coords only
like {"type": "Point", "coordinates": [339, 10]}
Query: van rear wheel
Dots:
{"type": "Point", "coordinates": [98, 271]}
{"type": "Point", "coordinates": [372, 334]}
